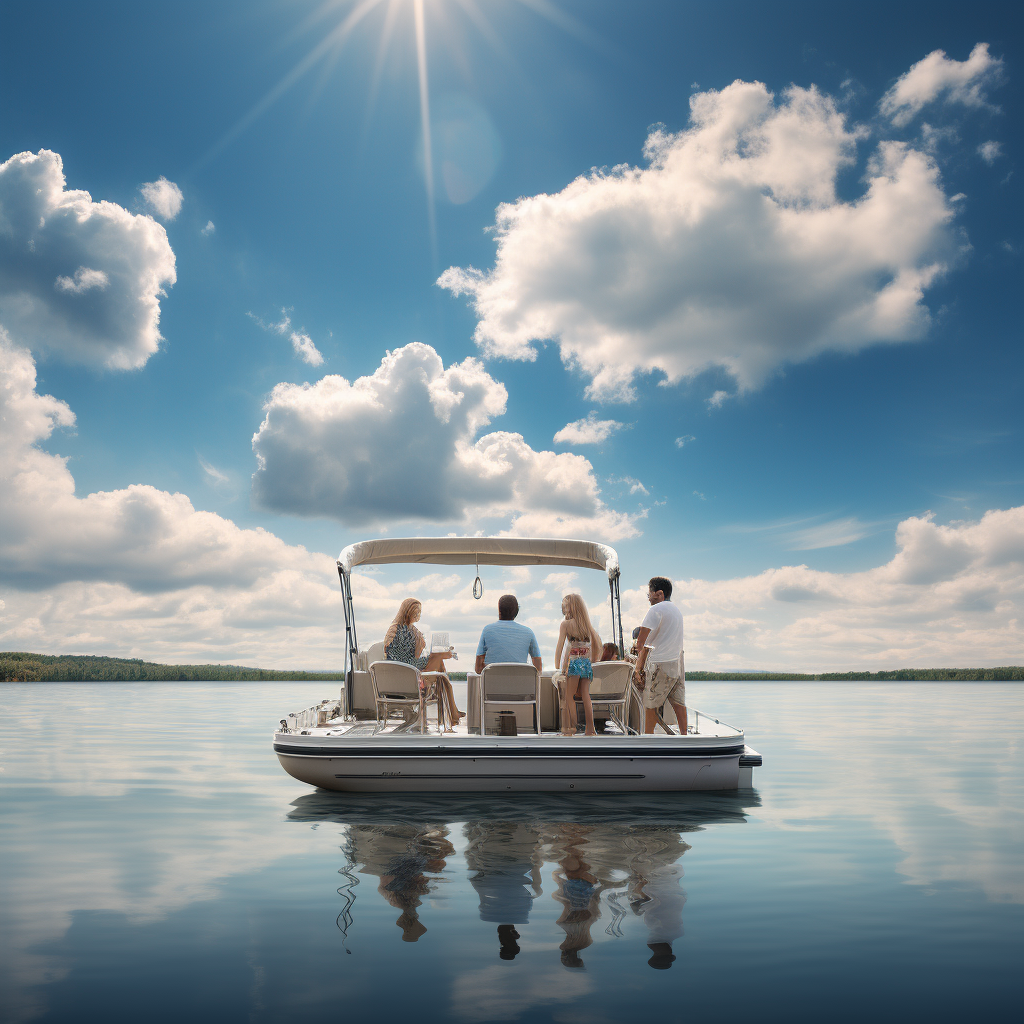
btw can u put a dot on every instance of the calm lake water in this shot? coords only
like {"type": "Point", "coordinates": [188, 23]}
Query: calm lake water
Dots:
{"type": "Point", "coordinates": [156, 863]}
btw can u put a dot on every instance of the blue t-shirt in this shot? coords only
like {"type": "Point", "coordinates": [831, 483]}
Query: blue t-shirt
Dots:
{"type": "Point", "coordinates": [507, 640]}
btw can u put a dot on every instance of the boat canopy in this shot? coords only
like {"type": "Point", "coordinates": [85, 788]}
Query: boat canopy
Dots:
{"type": "Point", "coordinates": [477, 551]}
{"type": "Point", "coordinates": [481, 551]}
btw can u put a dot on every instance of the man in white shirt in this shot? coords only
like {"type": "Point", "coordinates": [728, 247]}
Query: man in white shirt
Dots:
{"type": "Point", "coordinates": [659, 645]}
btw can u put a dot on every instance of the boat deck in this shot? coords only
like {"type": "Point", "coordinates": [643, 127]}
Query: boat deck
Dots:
{"type": "Point", "coordinates": [702, 728]}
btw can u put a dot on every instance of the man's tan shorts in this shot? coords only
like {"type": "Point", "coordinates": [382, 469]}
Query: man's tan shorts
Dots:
{"type": "Point", "coordinates": [662, 687]}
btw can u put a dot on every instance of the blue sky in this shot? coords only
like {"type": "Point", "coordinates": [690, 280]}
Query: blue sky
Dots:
{"type": "Point", "coordinates": [795, 312]}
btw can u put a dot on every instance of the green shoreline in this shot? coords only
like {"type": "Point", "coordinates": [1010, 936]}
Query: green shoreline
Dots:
{"type": "Point", "coordinates": [21, 667]}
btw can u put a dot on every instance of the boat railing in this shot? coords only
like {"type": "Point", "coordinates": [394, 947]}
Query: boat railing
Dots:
{"type": "Point", "coordinates": [313, 717]}
{"type": "Point", "coordinates": [319, 715]}
{"type": "Point", "coordinates": [698, 715]}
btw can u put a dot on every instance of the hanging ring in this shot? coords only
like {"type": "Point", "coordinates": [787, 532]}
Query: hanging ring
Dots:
{"type": "Point", "coordinates": [478, 584]}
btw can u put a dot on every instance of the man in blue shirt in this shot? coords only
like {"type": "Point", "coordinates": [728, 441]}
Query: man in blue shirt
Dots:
{"type": "Point", "coordinates": [506, 639]}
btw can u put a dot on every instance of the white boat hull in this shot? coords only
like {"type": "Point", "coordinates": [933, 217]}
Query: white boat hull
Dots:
{"type": "Point", "coordinates": [468, 765]}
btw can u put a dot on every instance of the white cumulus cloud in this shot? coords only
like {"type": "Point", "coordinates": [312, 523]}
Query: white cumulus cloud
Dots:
{"type": "Point", "coordinates": [163, 197]}
{"type": "Point", "coordinates": [402, 444]}
{"type": "Point", "coordinates": [952, 596]}
{"type": "Point", "coordinates": [587, 431]}
{"type": "Point", "coordinates": [955, 81]}
{"type": "Point", "coordinates": [209, 229]}
{"type": "Point", "coordinates": [140, 537]}
{"type": "Point", "coordinates": [140, 572]}
{"type": "Point", "coordinates": [79, 279]}
{"type": "Point", "coordinates": [731, 249]}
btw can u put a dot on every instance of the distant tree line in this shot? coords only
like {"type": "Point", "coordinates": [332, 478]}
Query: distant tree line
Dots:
{"type": "Point", "coordinates": [1009, 672]}
{"type": "Point", "coordinates": [19, 667]}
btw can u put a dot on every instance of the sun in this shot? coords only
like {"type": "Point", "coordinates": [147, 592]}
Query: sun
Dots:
{"type": "Point", "coordinates": [342, 17]}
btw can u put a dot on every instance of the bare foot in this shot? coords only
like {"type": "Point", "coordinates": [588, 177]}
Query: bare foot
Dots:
{"type": "Point", "coordinates": [590, 733]}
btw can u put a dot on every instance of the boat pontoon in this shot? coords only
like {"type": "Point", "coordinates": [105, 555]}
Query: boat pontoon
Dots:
{"type": "Point", "coordinates": [373, 739]}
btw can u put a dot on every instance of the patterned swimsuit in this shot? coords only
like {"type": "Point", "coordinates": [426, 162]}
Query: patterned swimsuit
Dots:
{"type": "Point", "coordinates": [579, 659]}
{"type": "Point", "coordinates": [403, 648]}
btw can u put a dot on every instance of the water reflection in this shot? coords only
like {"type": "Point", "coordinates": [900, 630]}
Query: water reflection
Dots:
{"type": "Point", "coordinates": [630, 870]}
{"type": "Point", "coordinates": [505, 860]}
{"type": "Point", "coordinates": [578, 890]}
{"type": "Point", "coordinates": [135, 856]}
{"type": "Point", "coordinates": [407, 859]}
{"type": "Point", "coordinates": [689, 812]}
{"type": "Point", "coordinates": [612, 859]}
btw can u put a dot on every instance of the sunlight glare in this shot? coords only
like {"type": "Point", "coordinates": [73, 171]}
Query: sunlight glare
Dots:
{"type": "Point", "coordinates": [328, 50]}
{"type": "Point", "coordinates": [428, 158]}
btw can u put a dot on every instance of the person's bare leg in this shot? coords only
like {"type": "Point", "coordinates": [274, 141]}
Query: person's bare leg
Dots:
{"type": "Point", "coordinates": [457, 715]}
{"type": "Point", "coordinates": [650, 719]}
{"type": "Point", "coordinates": [588, 706]}
{"type": "Point", "coordinates": [563, 702]}
{"type": "Point", "coordinates": [680, 710]}
{"type": "Point", "coordinates": [572, 684]}
{"type": "Point", "coordinates": [569, 722]}
{"type": "Point", "coordinates": [435, 663]}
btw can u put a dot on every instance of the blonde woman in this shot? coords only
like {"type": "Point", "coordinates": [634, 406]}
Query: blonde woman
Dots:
{"type": "Point", "coordinates": [579, 639]}
{"type": "Point", "coordinates": [404, 642]}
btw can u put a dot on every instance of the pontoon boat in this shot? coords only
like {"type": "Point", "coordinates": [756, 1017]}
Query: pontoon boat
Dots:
{"type": "Point", "coordinates": [377, 736]}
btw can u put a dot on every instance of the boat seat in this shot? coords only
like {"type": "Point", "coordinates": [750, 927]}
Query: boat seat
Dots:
{"type": "Point", "coordinates": [510, 685]}
{"type": "Point", "coordinates": [362, 700]}
{"type": "Point", "coordinates": [611, 688]}
{"type": "Point", "coordinates": [396, 686]}
{"type": "Point", "coordinates": [375, 652]}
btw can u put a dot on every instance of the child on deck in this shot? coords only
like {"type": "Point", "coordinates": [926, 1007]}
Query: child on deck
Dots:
{"type": "Point", "coordinates": [580, 639]}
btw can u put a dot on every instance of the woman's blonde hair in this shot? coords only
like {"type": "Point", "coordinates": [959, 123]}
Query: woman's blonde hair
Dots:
{"type": "Point", "coordinates": [405, 610]}
{"type": "Point", "coordinates": [580, 626]}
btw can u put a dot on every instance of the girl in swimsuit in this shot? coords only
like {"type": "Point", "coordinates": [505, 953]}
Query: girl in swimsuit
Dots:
{"type": "Point", "coordinates": [579, 638]}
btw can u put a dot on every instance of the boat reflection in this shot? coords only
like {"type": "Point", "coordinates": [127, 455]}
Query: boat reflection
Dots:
{"type": "Point", "coordinates": [505, 861]}
{"type": "Point", "coordinates": [407, 859]}
{"type": "Point", "coordinates": [626, 869]}
{"type": "Point", "coordinates": [612, 858]}
{"type": "Point", "coordinates": [691, 811]}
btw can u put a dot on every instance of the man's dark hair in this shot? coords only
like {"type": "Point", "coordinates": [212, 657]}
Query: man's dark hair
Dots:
{"type": "Point", "coordinates": [660, 583]}
{"type": "Point", "coordinates": [508, 606]}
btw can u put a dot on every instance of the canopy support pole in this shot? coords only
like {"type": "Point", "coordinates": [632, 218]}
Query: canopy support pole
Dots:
{"type": "Point", "coordinates": [351, 642]}
{"type": "Point", "coordinates": [613, 586]}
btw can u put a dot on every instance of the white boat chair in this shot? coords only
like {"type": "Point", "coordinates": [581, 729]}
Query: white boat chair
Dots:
{"type": "Point", "coordinates": [396, 686]}
{"type": "Point", "coordinates": [375, 652]}
{"type": "Point", "coordinates": [610, 690]}
{"type": "Point", "coordinates": [510, 684]}
{"type": "Point", "coordinates": [360, 700]}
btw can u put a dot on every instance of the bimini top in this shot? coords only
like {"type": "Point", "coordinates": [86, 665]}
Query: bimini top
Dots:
{"type": "Point", "coordinates": [482, 551]}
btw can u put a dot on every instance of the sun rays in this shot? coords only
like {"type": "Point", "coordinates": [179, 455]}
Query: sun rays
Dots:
{"type": "Point", "coordinates": [428, 157]}
{"type": "Point", "coordinates": [428, 22]}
